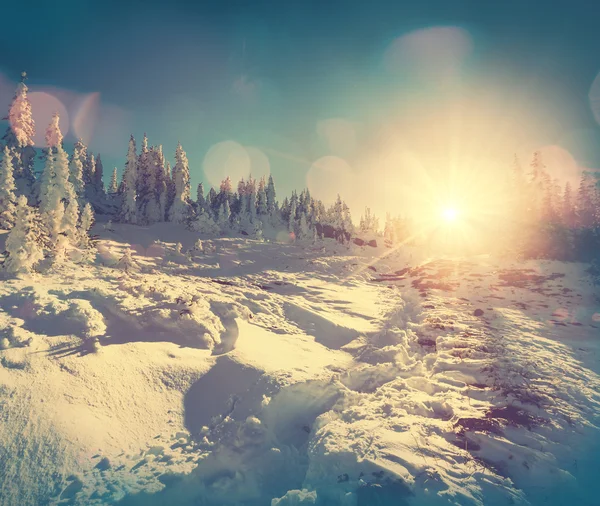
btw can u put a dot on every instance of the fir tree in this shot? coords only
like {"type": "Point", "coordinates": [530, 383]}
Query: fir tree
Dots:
{"type": "Point", "coordinates": [585, 200]}
{"type": "Point", "coordinates": [76, 170]}
{"type": "Point", "coordinates": [86, 221]}
{"type": "Point", "coordinates": [23, 241]}
{"type": "Point", "coordinates": [147, 205]}
{"type": "Point", "coordinates": [8, 198]}
{"type": "Point", "coordinates": [536, 186]}
{"type": "Point", "coordinates": [89, 168]}
{"type": "Point", "coordinates": [170, 186]}
{"type": "Point", "coordinates": [181, 209]}
{"type": "Point", "coordinates": [261, 198]}
{"type": "Point", "coordinates": [56, 189]}
{"type": "Point", "coordinates": [568, 214]}
{"type": "Point", "coordinates": [126, 263]}
{"type": "Point", "coordinates": [200, 200]}
{"type": "Point", "coordinates": [98, 179]}
{"type": "Point", "coordinates": [303, 229]}
{"type": "Point", "coordinates": [205, 224]}
{"type": "Point", "coordinates": [271, 195]}
{"type": "Point", "coordinates": [19, 139]}
{"type": "Point", "coordinates": [54, 136]}
{"type": "Point", "coordinates": [128, 210]}
{"type": "Point", "coordinates": [113, 188]}
{"type": "Point", "coordinates": [211, 202]}
{"type": "Point", "coordinates": [224, 215]}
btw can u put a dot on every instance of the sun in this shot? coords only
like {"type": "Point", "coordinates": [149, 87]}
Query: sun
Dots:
{"type": "Point", "coordinates": [449, 214]}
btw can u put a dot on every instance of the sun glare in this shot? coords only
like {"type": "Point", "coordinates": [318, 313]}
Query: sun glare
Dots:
{"type": "Point", "coordinates": [449, 214]}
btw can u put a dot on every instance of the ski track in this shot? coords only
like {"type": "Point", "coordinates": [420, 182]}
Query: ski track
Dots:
{"type": "Point", "coordinates": [292, 374]}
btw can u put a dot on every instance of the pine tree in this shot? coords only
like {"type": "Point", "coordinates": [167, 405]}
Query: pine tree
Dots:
{"type": "Point", "coordinates": [128, 210]}
{"type": "Point", "coordinates": [76, 170]}
{"type": "Point", "coordinates": [261, 199]}
{"type": "Point", "coordinates": [54, 136]}
{"type": "Point", "coordinates": [224, 215]}
{"type": "Point", "coordinates": [292, 217]}
{"type": "Point", "coordinates": [181, 209]}
{"type": "Point", "coordinates": [98, 179]}
{"type": "Point", "coordinates": [23, 241]}
{"type": "Point", "coordinates": [211, 202]}
{"type": "Point", "coordinates": [8, 198]}
{"type": "Point", "coordinates": [147, 209]}
{"type": "Point", "coordinates": [56, 189]}
{"type": "Point", "coordinates": [536, 186]}
{"type": "Point", "coordinates": [170, 186]}
{"type": "Point", "coordinates": [86, 220]}
{"type": "Point", "coordinates": [68, 197]}
{"type": "Point", "coordinates": [126, 263]}
{"type": "Point", "coordinates": [89, 168]}
{"type": "Point", "coordinates": [205, 224]}
{"type": "Point", "coordinates": [19, 139]}
{"type": "Point", "coordinates": [303, 230]}
{"type": "Point", "coordinates": [70, 219]}
{"type": "Point", "coordinates": [271, 196]}
{"type": "Point", "coordinates": [113, 188]}
{"type": "Point", "coordinates": [200, 200]}
{"type": "Point", "coordinates": [585, 200]}
{"type": "Point", "coordinates": [568, 214]}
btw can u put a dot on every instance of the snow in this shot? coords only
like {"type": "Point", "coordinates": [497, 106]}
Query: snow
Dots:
{"type": "Point", "coordinates": [257, 373]}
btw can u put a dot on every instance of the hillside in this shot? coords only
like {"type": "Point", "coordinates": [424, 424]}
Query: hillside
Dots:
{"type": "Point", "coordinates": [259, 373]}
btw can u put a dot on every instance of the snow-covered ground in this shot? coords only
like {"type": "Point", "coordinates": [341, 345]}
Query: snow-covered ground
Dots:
{"type": "Point", "coordinates": [285, 374]}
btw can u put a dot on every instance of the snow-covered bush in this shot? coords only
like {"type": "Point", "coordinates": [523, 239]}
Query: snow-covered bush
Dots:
{"type": "Point", "coordinates": [88, 322]}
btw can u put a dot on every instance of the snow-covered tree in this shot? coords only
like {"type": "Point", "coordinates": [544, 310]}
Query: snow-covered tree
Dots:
{"type": "Point", "coordinates": [128, 210]}
{"type": "Point", "coordinates": [369, 223]}
{"type": "Point", "coordinates": [258, 230]}
{"type": "Point", "coordinates": [89, 168]}
{"type": "Point", "coordinates": [19, 139]}
{"type": "Point", "coordinates": [200, 200]}
{"type": "Point", "coordinates": [8, 198]}
{"type": "Point", "coordinates": [126, 263]}
{"type": "Point", "coordinates": [76, 170]}
{"type": "Point", "coordinates": [70, 219]}
{"type": "Point", "coordinates": [586, 208]}
{"type": "Point", "coordinates": [261, 199]}
{"type": "Point", "coordinates": [205, 224]}
{"type": "Point", "coordinates": [211, 202]}
{"type": "Point", "coordinates": [303, 229]}
{"type": "Point", "coordinates": [54, 136]}
{"type": "Point", "coordinates": [224, 215]}
{"type": "Point", "coordinates": [271, 195]}
{"type": "Point", "coordinates": [23, 241]}
{"type": "Point", "coordinates": [568, 214]}
{"type": "Point", "coordinates": [114, 187]}
{"type": "Point", "coordinates": [86, 221]}
{"type": "Point", "coordinates": [181, 209]}
{"type": "Point", "coordinates": [98, 179]}
{"type": "Point", "coordinates": [148, 210]}
{"type": "Point", "coordinates": [56, 190]}
{"type": "Point", "coordinates": [292, 212]}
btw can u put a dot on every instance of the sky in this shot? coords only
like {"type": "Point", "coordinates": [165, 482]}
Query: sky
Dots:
{"type": "Point", "coordinates": [376, 100]}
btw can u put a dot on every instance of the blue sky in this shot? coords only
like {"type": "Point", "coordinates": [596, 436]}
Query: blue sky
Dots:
{"type": "Point", "coordinates": [268, 74]}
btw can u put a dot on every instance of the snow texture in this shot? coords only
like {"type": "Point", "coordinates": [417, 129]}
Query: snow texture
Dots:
{"type": "Point", "coordinates": [253, 373]}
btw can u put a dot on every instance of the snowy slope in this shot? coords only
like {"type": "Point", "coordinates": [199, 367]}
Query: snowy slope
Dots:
{"type": "Point", "coordinates": [279, 374]}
